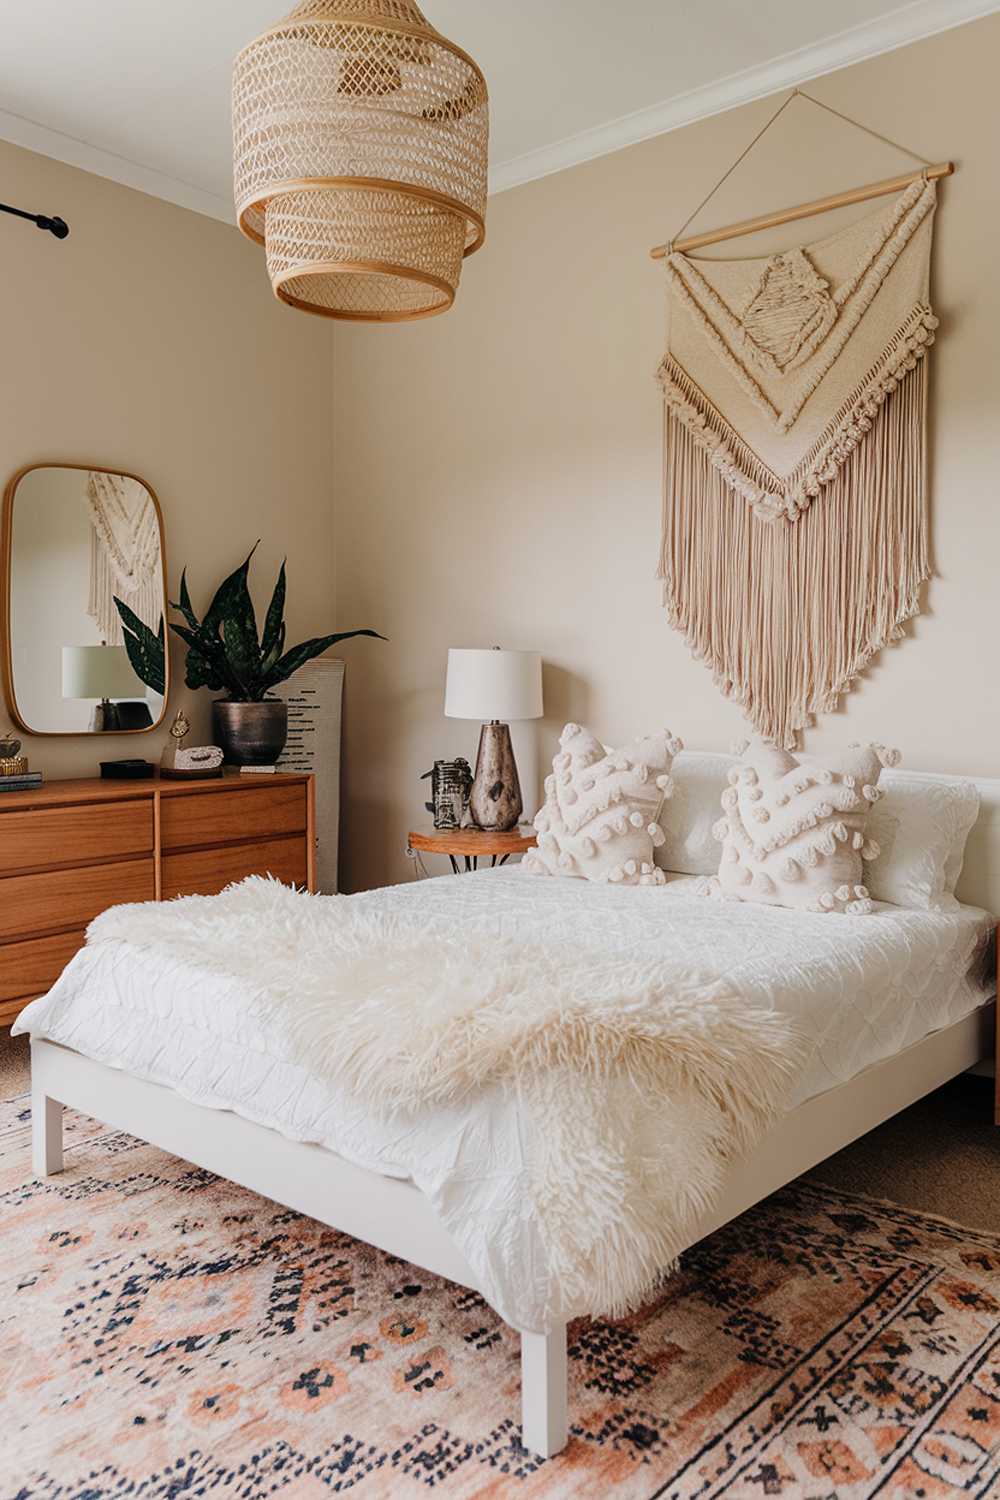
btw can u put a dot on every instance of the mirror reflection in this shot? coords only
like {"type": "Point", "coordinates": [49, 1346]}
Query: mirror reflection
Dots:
{"type": "Point", "coordinates": [86, 601]}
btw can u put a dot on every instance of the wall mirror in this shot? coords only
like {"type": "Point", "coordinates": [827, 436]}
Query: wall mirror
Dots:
{"type": "Point", "coordinates": [84, 601]}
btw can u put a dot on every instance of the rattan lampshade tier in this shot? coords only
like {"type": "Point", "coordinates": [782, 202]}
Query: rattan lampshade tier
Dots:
{"type": "Point", "coordinates": [360, 138]}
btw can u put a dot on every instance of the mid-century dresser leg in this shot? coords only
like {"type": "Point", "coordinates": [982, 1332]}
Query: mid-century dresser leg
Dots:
{"type": "Point", "coordinates": [544, 1416]}
{"type": "Point", "coordinates": [46, 1133]}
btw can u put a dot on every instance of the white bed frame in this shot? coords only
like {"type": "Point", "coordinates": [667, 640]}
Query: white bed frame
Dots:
{"type": "Point", "coordinates": [395, 1216]}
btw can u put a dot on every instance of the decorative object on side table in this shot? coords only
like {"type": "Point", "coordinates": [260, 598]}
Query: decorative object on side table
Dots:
{"type": "Point", "coordinates": [179, 763]}
{"type": "Point", "coordinates": [14, 773]}
{"type": "Point", "coordinates": [470, 844]}
{"type": "Point", "coordinates": [226, 654]}
{"type": "Point", "coordinates": [494, 686]}
{"type": "Point", "coordinates": [451, 785]}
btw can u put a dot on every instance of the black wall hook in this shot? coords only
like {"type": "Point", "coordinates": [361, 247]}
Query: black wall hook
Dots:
{"type": "Point", "coordinates": [51, 222]}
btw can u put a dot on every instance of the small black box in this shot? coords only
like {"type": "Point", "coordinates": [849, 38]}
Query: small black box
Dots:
{"type": "Point", "coordinates": [127, 770]}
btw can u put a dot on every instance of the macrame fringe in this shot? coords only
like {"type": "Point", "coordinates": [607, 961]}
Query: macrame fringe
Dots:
{"type": "Point", "coordinates": [787, 616]}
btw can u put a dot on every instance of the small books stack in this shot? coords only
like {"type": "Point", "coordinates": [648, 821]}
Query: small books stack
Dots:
{"type": "Point", "coordinates": [19, 782]}
{"type": "Point", "coordinates": [14, 773]}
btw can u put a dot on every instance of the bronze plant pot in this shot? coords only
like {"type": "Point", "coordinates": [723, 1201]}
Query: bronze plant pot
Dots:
{"type": "Point", "coordinates": [250, 734]}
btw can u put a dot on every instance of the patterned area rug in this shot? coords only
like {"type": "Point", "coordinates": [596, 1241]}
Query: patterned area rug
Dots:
{"type": "Point", "coordinates": [167, 1335]}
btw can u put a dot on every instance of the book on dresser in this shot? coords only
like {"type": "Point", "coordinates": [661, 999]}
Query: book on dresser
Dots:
{"type": "Point", "coordinates": [70, 849]}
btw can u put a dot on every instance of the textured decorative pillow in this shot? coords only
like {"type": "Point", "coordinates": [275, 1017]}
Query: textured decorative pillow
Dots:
{"type": "Point", "coordinates": [794, 832]}
{"type": "Point", "coordinates": [600, 819]}
{"type": "Point", "coordinates": [688, 819]}
{"type": "Point", "coordinates": [920, 827]}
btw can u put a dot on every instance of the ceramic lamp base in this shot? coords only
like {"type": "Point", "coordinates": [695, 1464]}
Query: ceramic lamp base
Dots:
{"type": "Point", "coordinates": [495, 803]}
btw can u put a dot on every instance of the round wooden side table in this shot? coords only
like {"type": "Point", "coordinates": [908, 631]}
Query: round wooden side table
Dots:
{"type": "Point", "coordinates": [470, 844]}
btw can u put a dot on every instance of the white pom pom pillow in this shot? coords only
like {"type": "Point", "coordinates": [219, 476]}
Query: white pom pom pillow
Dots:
{"type": "Point", "coordinates": [600, 820]}
{"type": "Point", "coordinates": [794, 831]}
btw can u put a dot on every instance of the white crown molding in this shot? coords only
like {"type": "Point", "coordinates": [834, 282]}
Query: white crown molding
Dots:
{"type": "Point", "coordinates": [910, 23]}
{"type": "Point", "coordinates": [77, 153]}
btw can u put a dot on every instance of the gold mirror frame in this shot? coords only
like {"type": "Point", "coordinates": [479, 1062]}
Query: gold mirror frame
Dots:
{"type": "Point", "coordinates": [6, 547]}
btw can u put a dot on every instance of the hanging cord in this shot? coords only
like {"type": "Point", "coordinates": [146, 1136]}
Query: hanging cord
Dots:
{"type": "Point", "coordinates": [906, 150]}
{"type": "Point", "coordinates": [795, 94]}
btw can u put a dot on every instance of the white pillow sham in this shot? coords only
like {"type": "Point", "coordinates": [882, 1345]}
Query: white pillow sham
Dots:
{"type": "Point", "coordinates": [699, 778]}
{"type": "Point", "coordinates": [920, 827]}
{"type": "Point", "coordinates": [600, 818]}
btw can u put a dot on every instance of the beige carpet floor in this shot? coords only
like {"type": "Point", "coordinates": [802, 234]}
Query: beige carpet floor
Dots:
{"type": "Point", "coordinates": [15, 1065]}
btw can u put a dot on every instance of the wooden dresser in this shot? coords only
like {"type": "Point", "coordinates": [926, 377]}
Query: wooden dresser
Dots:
{"type": "Point", "coordinates": [70, 849]}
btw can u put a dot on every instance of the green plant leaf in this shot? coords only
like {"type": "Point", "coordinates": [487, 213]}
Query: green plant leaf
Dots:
{"type": "Point", "coordinates": [145, 650]}
{"type": "Point", "coordinates": [206, 664]}
{"type": "Point", "coordinates": [227, 590]}
{"type": "Point", "coordinates": [299, 655]}
{"type": "Point", "coordinates": [185, 605]}
{"type": "Point", "coordinates": [231, 615]}
{"type": "Point", "coordinates": [224, 650]}
{"type": "Point", "coordinates": [199, 673]}
{"type": "Point", "coordinates": [273, 639]}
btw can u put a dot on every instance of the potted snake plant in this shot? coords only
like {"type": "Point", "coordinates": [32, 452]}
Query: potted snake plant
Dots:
{"type": "Point", "coordinates": [226, 654]}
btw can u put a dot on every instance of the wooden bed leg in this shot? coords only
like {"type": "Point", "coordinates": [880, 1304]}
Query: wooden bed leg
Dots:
{"type": "Point", "coordinates": [46, 1133]}
{"type": "Point", "coordinates": [544, 1416]}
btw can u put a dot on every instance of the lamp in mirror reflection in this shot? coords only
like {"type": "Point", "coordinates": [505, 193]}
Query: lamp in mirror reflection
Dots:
{"type": "Point", "coordinates": [104, 673]}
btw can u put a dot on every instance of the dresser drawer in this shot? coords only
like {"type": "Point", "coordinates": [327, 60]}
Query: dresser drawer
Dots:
{"type": "Point", "coordinates": [203, 872]}
{"type": "Point", "coordinates": [196, 819]}
{"type": "Point", "coordinates": [48, 836]}
{"type": "Point", "coordinates": [70, 898]}
{"type": "Point", "coordinates": [32, 967]}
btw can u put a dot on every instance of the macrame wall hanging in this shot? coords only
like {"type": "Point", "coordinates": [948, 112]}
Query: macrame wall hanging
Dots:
{"type": "Point", "coordinates": [794, 529]}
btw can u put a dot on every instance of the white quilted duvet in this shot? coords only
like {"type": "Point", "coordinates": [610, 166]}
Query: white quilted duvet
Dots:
{"type": "Point", "coordinates": [859, 990]}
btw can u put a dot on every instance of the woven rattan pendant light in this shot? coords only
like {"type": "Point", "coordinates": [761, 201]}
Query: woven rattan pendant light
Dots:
{"type": "Point", "coordinates": [360, 141]}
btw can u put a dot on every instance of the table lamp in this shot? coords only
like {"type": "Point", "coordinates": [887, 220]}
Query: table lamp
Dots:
{"type": "Point", "coordinates": [494, 686]}
{"type": "Point", "coordinates": [104, 673]}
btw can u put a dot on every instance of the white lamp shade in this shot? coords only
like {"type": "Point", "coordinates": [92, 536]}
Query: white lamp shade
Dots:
{"type": "Point", "coordinates": [493, 684]}
{"type": "Point", "coordinates": [98, 672]}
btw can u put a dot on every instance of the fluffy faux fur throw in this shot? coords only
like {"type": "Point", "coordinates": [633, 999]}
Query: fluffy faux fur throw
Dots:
{"type": "Point", "coordinates": [640, 1079]}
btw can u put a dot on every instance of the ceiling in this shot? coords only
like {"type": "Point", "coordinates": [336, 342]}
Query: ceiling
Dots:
{"type": "Point", "coordinates": [138, 90]}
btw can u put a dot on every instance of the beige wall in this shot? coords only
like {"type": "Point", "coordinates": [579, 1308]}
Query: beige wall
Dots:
{"type": "Point", "coordinates": [498, 469]}
{"type": "Point", "coordinates": [149, 340]}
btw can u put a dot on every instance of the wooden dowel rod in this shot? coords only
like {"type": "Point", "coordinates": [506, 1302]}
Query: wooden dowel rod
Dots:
{"type": "Point", "coordinates": [803, 210]}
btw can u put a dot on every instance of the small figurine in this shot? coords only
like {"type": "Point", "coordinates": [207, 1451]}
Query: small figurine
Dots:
{"type": "Point", "coordinates": [451, 783]}
{"type": "Point", "coordinates": [181, 764]}
{"type": "Point", "coordinates": [180, 728]}
{"type": "Point", "coordinates": [12, 762]}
